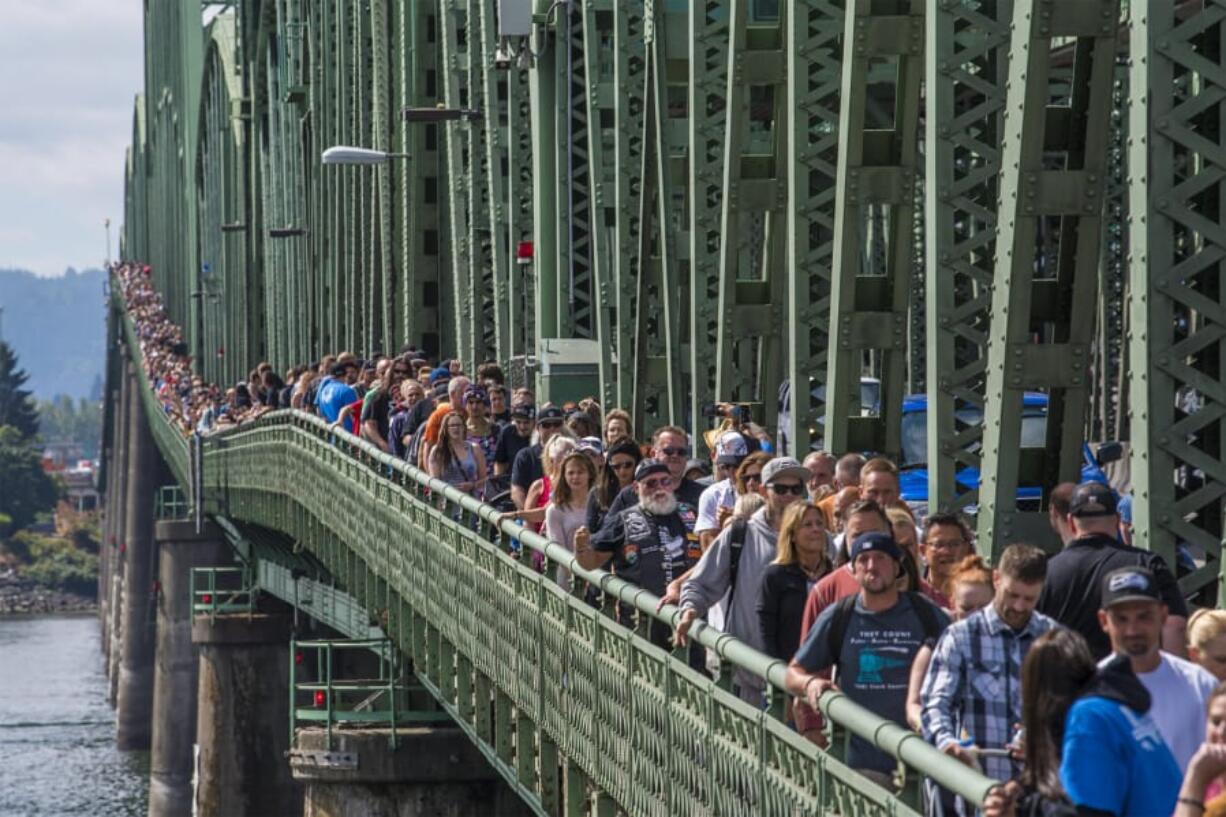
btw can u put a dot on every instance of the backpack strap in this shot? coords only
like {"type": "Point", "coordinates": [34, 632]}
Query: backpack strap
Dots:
{"type": "Point", "coordinates": [843, 609]}
{"type": "Point", "coordinates": [927, 616]}
{"type": "Point", "coordinates": [736, 541]}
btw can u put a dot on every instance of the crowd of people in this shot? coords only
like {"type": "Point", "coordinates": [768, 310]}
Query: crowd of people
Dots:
{"type": "Point", "coordinates": [1081, 680]}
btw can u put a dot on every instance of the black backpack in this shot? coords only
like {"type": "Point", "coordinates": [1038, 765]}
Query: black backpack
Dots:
{"type": "Point", "coordinates": [736, 541]}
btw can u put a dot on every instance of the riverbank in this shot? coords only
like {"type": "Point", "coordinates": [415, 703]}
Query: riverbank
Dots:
{"type": "Point", "coordinates": [22, 596]}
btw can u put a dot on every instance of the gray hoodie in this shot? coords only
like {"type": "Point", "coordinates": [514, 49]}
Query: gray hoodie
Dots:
{"type": "Point", "coordinates": [709, 581]}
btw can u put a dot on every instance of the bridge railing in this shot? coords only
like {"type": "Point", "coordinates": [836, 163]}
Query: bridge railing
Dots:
{"type": "Point", "coordinates": [569, 685]}
{"type": "Point", "coordinates": [167, 435]}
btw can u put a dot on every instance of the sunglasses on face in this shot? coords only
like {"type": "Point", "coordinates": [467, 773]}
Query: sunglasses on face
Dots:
{"type": "Point", "coordinates": [653, 484]}
{"type": "Point", "coordinates": [753, 477]}
{"type": "Point", "coordinates": [551, 424]}
{"type": "Point", "coordinates": [796, 488]}
{"type": "Point", "coordinates": [673, 452]}
{"type": "Point", "coordinates": [622, 466]}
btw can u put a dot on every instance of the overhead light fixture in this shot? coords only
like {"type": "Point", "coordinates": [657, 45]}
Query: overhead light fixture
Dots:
{"type": "Point", "coordinates": [347, 155]}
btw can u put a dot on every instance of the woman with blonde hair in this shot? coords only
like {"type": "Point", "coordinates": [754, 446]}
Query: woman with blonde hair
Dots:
{"type": "Point", "coordinates": [801, 559]}
{"type": "Point", "coordinates": [1207, 641]}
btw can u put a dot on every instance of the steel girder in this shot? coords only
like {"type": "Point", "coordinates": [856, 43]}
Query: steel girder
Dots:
{"type": "Point", "coordinates": [614, 65]}
{"type": "Point", "coordinates": [1052, 183]}
{"type": "Point", "coordinates": [231, 298]}
{"type": "Point", "coordinates": [967, 64]}
{"type": "Point", "coordinates": [877, 171]}
{"type": "Point", "coordinates": [814, 49]}
{"type": "Point", "coordinates": [656, 395]}
{"type": "Point", "coordinates": [748, 349]}
{"type": "Point", "coordinates": [1177, 393]}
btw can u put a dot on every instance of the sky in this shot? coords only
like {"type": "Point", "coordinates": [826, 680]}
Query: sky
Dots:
{"type": "Point", "coordinates": [69, 74]}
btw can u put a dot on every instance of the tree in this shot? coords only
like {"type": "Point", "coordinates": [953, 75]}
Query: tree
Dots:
{"type": "Point", "coordinates": [26, 490]}
{"type": "Point", "coordinates": [16, 408]}
{"type": "Point", "coordinates": [62, 420]}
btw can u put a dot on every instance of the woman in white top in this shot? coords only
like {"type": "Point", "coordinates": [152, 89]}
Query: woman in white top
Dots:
{"type": "Point", "coordinates": [567, 508]}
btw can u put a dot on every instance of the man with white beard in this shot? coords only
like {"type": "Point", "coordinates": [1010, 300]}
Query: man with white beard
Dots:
{"type": "Point", "coordinates": [651, 542]}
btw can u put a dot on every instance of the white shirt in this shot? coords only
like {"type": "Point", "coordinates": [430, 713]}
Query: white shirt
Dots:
{"type": "Point", "coordinates": [1179, 693]}
{"type": "Point", "coordinates": [722, 494]}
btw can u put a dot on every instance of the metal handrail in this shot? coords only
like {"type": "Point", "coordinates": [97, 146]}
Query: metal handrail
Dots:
{"type": "Point", "coordinates": [208, 598]}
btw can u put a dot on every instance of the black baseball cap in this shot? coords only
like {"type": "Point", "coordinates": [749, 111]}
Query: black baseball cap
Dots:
{"type": "Point", "coordinates": [1092, 499]}
{"type": "Point", "coordinates": [549, 413]}
{"type": "Point", "coordinates": [1126, 584]}
{"type": "Point", "coordinates": [524, 410]}
{"type": "Point", "coordinates": [648, 467]}
{"type": "Point", "coordinates": [876, 541]}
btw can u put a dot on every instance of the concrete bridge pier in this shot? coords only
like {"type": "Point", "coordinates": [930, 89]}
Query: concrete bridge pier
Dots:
{"type": "Point", "coordinates": [242, 717]}
{"type": "Point", "coordinates": [134, 701]}
{"type": "Point", "coordinates": [434, 771]}
{"type": "Point", "coordinates": [176, 666]}
{"type": "Point", "coordinates": [111, 566]}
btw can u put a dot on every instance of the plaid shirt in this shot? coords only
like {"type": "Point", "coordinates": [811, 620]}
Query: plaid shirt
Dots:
{"type": "Point", "coordinates": [974, 684]}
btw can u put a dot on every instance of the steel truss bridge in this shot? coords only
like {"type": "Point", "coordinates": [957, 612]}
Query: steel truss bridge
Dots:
{"type": "Point", "coordinates": [971, 199]}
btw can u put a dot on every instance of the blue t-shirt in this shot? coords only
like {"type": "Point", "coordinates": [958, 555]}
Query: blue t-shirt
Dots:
{"type": "Point", "coordinates": [334, 395]}
{"type": "Point", "coordinates": [1115, 760]}
{"type": "Point", "coordinates": [874, 663]}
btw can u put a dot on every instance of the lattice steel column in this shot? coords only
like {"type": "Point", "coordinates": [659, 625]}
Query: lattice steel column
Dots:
{"type": "Point", "coordinates": [1042, 311]}
{"type": "Point", "coordinates": [657, 366]}
{"type": "Point", "coordinates": [459, 167]}
{"type": "Point", "coordinates": [614, 61]}
{"type": "Point", "coordinates": [814, 70]}
{"type": "Point", "coordinates": [876, 169]}
{"type": "Point", "coordinates": [752, 216]}
{"type": "Point", "coordinates": [967, 64]}
{"type": "Point", "coordinates": [707, 109]}
{"type": "Point", "coordinates": [419, 181]}
{"type": "Point", "coordinates": [1178, 394]}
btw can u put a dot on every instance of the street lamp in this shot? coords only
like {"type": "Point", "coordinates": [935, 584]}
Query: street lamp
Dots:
{"type": "Point", "coordinates": [346, 155]}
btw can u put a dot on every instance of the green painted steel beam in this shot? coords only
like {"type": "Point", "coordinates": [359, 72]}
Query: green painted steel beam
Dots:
{"type": "Point", "coordinates": [1044, 295]}
{"type": "Point", "coordinates": [877, 171]}
{"type": "Point", "coordinates": [966, 68]}
{"type": "Point", "coordinates": [814, 50]}
{"type": "Point", "coordinates": [1177, 243]}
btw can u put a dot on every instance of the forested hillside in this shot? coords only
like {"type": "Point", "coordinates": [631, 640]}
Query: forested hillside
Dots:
{"type": "Point", "coordinates": [57, 328]}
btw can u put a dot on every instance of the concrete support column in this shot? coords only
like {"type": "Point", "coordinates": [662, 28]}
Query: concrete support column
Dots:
{"type": "Point", "coordinates": [113, 519]}
{"type": "Point", "coordinates": [176, 666]}
{"type": "Point", "coordinates": [119, 550]}
{"type": "Point", "coordinates": [434, 771]}
{"type": "Point", "coordinates": [134, 702]}
{"type": "Point", "coordinates": [242, 717]}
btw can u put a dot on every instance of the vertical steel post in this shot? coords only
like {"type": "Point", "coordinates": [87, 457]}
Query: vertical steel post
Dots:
{"type": "Point", "coordinates": [1043, 302]}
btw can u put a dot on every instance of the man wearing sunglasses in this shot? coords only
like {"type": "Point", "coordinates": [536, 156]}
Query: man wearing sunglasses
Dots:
{"type": "Point", "coordinates": [651, 542]}
{"type": "Point", "coordinates": [527, 467]}
{"type": "Point", "coordinates": [783, 482]}
{"type": "Point", "coordinates": [671, 446]}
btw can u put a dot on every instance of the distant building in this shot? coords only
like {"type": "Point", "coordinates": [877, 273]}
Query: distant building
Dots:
{"type": "Point", "coordinates": [64, 459]}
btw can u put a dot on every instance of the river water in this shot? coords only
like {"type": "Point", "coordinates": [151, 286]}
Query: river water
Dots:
{"type": "Point", "coordinates": [57, 733]}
